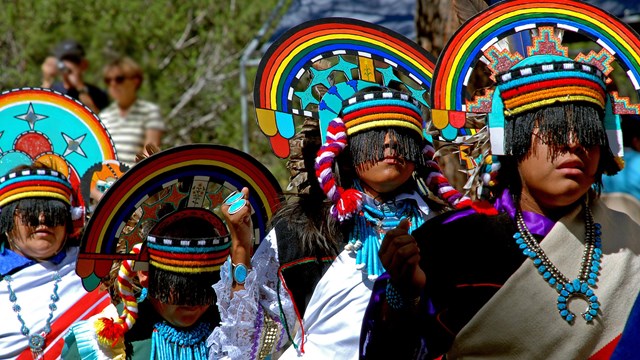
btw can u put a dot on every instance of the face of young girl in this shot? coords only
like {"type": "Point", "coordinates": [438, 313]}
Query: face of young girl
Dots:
{"type": "Point", "coordinates": [554, 182]}
{"type": "Point", "coordinates": [179, 315]}
{"type": "Point", "coordinates": [386, 175]}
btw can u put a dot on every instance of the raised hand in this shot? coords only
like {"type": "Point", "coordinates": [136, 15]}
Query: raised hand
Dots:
{"type": "Point", "coordinates": [400, 255]}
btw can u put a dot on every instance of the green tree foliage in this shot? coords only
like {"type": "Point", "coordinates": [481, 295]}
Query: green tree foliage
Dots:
{"type": "Point", "coordinates": [189, 50]}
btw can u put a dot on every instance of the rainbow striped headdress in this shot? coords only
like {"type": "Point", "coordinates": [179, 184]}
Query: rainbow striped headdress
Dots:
{"type": "Point", "coordinates": [381, 110]}
{"type": "Point", "coordinates": [40, 183]}
{"type": "Point", "coordinates": [521, 43]}
{"type": "Point", "coordinates": [163, 216]}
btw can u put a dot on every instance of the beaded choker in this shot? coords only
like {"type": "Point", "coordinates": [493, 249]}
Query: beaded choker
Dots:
{"type": "Point", "coordinates": [168, 343]}
{"type": "Point", "coordinates": [567, 289]}
{"type": "Point", "coordinates": [36, 341]}
{"type": "Point", "coordinates": [373, 221]}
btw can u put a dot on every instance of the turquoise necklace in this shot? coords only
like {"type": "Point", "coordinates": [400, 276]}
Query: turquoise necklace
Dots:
{"type": "Point", "coordinates": [168, 342]}
{"type": "Point", "coordinates": [567, 289]}
{"type": "Point", "coordinates": [36, 341]}
{"type": "Point", "coordinates": [373, 221]}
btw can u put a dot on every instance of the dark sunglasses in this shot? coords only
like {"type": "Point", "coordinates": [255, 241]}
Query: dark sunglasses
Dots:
{"type": "Point", "coordinates": [118, 79]}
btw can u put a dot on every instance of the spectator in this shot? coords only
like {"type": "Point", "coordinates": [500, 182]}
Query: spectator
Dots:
{"type": "Point", "coordinates": [69, 62]}
{"type": "Point", "coordinates": [628, 179]}
{"type": "Point", "coordinates": [132, 123]}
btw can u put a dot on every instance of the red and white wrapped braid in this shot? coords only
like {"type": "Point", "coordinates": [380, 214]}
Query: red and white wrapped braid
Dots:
{"type": "Point", "coordinates": [109, 331]}
{"type": "Point", "coordinates": [346, 203]}
{"type": "Point", "coordinates": [439, 184]}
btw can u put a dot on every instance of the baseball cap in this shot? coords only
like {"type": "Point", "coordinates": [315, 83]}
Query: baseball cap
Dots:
{"type": "Point", "coordinates": [69, 50]}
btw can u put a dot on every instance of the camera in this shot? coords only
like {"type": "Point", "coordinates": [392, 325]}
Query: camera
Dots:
{"type": "Point", "coordinates": [63, 68]}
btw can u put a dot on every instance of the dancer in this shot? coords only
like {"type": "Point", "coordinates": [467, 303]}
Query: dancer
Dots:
{"type": "Point", "coordinates": [520, 269]}
{"type": "Point", "coordinates": [161, 219]}
{"type": "Point", "coordinates": [42, 216]}
{"type": "Point", "coordinates": [316, 267]}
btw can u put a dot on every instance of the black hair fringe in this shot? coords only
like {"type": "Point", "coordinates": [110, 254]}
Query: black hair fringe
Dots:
{"type": "Point", "coordinates": [368, 146]}
{"type": "Point", "coordinates": [28, 210]}
{"type": "Point", "coordinates": [182, 289]}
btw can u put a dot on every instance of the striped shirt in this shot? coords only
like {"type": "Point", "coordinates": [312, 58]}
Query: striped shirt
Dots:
{"type": "Point", "coordinates": [128, 133]}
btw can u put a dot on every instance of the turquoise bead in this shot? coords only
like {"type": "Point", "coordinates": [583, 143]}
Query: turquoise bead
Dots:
{"type": "Point", "coordinates": [562, 306]}
{"type": "Point", "coordinates": [593, 276]}
{"type": "Point", "coordinates": [596, 256]}
{"type": "Point", "coordinates": [546, 275]}
{"type": "Point", "coordinates": [564, 293]}
{"type": "Point", "coordinates": [593, 312]}
{"type": "Point", "coordinates": [597, 251]}
{"type": "Point", "coordinates": [591, 282]}
{"type": "Point", "coordinates": [595, 269]}
{"type": "Point", "coordinates": [542, 269]}
{"type": "Point", "coordinates": [517, 235]}
{"type": "Point", "coordinates": [569, 287]}
{"type": "Point", "coordinates": [597, 226]}
{"type": "Point", "coordinates": [570, 317]}
{"type": "Point", "coordinates": [522, 246]}
{"type": "Point", "coordinates": [559, 287]}
{"type": "Point", "coordinates": [564, 313]}
{"type": "Point", "coordinates": [537, 262]}
{"type": "Point", "coordinates": [593, 298]}
{"type": "Point", "coordinates": [589, 292]}
{"type": "Point", "coordinates": [596, 263]}
{"type": "Point", "coordinates": [552, 281]}
{"type": "Point", "coordinates": [576, 285]}
{"type": "Point", "coordinates": [520, 241]}
{"type": "Point", "coordinates": [598, 232]}
{"type": "Point", "coordinates": [532, 254]}
{"type": "Point", "coordinates": [584, 287]}
{"type": "Point", "coordinates": [588, 317]}
{"type": "Point", "coordinates": [562, 299]}
{"type": "Point", "coordinates": [595, 306]}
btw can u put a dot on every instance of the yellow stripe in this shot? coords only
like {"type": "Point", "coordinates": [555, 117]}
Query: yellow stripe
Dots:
{"type": "Point", "coordinates": [186, 270]}
{"type": "Point", "coordinates": [33, 194]}
{"type": "Point", "coordinates": [479, 33]}
{"type": "Point", "coordinates": [383, 123]}
{"type": "Point", "coordinates": [287, 60]}
{"type": "Point", "coordinates": [549, 102]}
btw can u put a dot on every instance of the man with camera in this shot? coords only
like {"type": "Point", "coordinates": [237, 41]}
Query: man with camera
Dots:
{"type": "Point", "coordinates": [69, 62]}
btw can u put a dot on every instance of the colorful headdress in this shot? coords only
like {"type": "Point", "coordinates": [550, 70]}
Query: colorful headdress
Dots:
{"type": "Point", "coordinates": [41, 125]}
{"type": "Point", "coordinates": [141, 209]}
{"type": "Point", "coordinates": [521, 44]}
{"type": "Point", "coordinates": [312, 71]}
{"type": "Point", "coordinates": [41, 183]}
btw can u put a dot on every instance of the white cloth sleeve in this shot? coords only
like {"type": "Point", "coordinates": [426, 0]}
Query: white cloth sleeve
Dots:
{"type": "Point", "coordinates": [252, 322]}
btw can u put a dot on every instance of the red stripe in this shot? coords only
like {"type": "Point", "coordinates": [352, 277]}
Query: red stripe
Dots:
{"type": "Point", "coordinates": [181, 256]}
{"type": "Point", "coordinates": [606, 352]}
{"type": "Point", "coordinates": [555, 83]}
{"type": "Point", "coordinates": [39, 183]}
{"type": "Point", "coordinates": [90, 304]}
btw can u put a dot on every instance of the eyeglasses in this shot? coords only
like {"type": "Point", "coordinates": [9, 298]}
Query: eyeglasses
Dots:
{"type": "Point", "coordinates": [117, 79]}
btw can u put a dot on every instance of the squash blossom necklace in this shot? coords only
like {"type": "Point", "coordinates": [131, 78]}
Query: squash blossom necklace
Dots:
{"type": "Point", "coordinates": [567, 289]}
{"type": "Point", "coordinates": [36, 341]}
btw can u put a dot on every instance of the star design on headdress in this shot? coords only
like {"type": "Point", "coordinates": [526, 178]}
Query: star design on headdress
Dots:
{"type": "Point", "coordinates": [31, 117]}
{"type": "Point", "coordinates": [306, 97]}
{"type": "Point", "coordinates": [320, 77]}
{"type": "Point", "coordinates": [73, 145]}
{"type": "Point", "coordinates": [417, 94]}
{"type": "Point", "coordinates": [388, 75]}
{"type": "Point", "coordinates": [345, 67]}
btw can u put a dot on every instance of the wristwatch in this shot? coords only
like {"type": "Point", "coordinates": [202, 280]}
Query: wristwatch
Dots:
{"type": "Point", "coordinates": [239, 272]}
